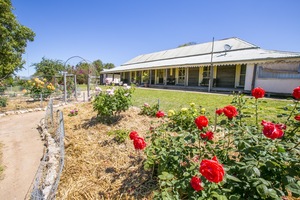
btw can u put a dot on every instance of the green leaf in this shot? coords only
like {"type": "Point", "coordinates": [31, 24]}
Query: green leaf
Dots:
{"type": "Point", "coordinates": [233, 178]}
{"type": "Point", "coordinates": [262, 190]}
{"type": "Point", "coordinates": [256, 171]}
{"type": "Point", "coordinates": [186, 174]}
{"type": "Point", "coordinates": [294, 188]}
{"type": "Point", "coordinates": [280, 149]}
{"type": "Point", "coordinates": [234, 197]}
{"type": "Point", "coordinates": [272, 193]}
{"type": "Point", "coordinates": [166, 176]}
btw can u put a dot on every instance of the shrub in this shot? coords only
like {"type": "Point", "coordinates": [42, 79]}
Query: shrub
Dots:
{"type": "Point", "coordinates": [3, 101]}
{"type": "Point", "coordinates": [110, 103]}
{"type": "Point", "coordinates": [119, 135]}
{"type": "Point", "coordinates": [37, 87]}
{"type": "Point", "coordinates": [73, 112]}
{"type": "Point", "coordinates": [149, 110]}
{"type": "Point", "coordinates": [250, 161]}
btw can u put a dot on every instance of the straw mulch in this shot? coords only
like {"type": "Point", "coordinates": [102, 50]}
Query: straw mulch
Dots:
{"type": "Point", "coordinates": [96, 165]}
{"type": "Point", "coordinates": [20, 103]}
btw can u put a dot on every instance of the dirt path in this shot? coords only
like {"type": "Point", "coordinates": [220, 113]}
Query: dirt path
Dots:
{"type": "Point", "coordinates": [22, 152]}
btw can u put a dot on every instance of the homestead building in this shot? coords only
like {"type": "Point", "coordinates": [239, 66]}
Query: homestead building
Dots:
{"type": "Point", "coordinates": [225, 65]}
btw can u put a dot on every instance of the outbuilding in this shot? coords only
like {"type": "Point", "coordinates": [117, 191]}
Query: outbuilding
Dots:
{"type": "Point", "coordinates": [225, 65]}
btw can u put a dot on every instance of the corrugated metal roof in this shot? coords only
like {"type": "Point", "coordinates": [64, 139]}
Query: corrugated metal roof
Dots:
{"type": "Point", "coordinates": [199, 49]}
{"type": "Point", "coordinates": [241, 51]}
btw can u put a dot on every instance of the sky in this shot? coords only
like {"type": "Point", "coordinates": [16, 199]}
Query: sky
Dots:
{"type": "Point", "coordinates": [115, 31]}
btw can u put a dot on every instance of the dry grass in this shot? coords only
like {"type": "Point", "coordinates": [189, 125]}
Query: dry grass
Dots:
{"type": "Point", "coordinates": [96, 165]}
{"type": "Point", "coordinates": [20, 103]}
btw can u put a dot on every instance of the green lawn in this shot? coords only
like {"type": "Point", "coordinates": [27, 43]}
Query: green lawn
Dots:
{"type": "Point", "coordinates": [269, 108]}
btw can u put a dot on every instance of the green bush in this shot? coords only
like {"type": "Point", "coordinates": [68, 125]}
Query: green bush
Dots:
{"type": "Point", "coordinates": [110, 103]}
{"type": "Point", "coordinates": [37, 87]}
{"type": "Point", "coordinates": [3, 101]}
{"type": "Point", "coordinates": [149, 110]}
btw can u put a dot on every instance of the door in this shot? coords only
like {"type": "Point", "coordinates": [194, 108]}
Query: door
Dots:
{"type": "Point", "coordinates": [226, 76]}
{"type": "Point", "coordinates": [193, 76]}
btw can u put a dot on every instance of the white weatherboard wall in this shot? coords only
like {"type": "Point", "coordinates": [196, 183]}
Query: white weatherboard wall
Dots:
{"type": "Point", "coordinates": [249, 76]}
{"type": "Point", "coordinates": [277, 85]}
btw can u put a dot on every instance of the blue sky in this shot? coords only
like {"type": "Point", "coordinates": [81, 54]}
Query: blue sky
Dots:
{"type": "Point", "coordinates": [118, 30]}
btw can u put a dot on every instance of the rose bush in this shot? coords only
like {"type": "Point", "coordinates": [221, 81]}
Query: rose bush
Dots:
{"type": "Point", "coordinates": [110, 103]}
{"type": "Point", "coordinates": [149, 110]}
{"type": "Point", "coordinates": [249, 161]}
{"type": "Point", "coordinates": [37, 87]}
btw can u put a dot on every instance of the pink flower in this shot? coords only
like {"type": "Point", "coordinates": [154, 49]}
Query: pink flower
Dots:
{"type": "Point", "coordinates": [146, 105]}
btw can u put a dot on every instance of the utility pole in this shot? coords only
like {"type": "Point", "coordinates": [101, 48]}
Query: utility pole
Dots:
{"type": "Point", "coordinates": [211, 77]}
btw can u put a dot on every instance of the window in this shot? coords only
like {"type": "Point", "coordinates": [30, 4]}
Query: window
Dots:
{"type": "Point", "coordinates": [181, 76]}
{"type": "Point", "coordinates": [206, 72]}
{"type": "Point", "coordinates": [242, 75]}
{"type": "Point", "coordinates": [277, 73]}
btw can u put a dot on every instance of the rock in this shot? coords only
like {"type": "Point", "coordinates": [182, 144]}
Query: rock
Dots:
{"type": "Point", "coordinates": [9, 112]}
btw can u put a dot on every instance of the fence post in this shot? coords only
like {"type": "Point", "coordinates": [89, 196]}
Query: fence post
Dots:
{"type": "Point", "coordinates": [41, 97]}
{"type": "Point", "coordinates": [75, 83]}
{"type": "Point", "coordinates": [65, 86]}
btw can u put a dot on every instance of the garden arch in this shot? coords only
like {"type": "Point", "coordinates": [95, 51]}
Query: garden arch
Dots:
{"type": "Point", "coordinates": [90, 73]}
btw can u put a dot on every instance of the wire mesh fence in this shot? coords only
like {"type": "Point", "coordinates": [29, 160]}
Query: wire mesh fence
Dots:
{"type": "Point", "coordinates": [47, 177]}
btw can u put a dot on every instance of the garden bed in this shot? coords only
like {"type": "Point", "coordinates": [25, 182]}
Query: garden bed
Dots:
{"type": "Point", "coordinates": [97, 165]}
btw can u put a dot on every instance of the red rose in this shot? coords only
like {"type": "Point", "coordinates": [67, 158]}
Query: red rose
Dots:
{"type": "Point", "coordinates": [139, 143]}
{"type": "Point", "coordinates": [296, 93]}
{"type": "Point", "coordinates": [219, 111]}
{"type": "Point", "coordinates": [201, 122]}
{"type": "Point", "coordinates": [133, 134]}
{"type": "Point", "coordinates": [297, 117]}
{"type": "Point", "coordinates": [272, 130]}
{"type": "Point", "coordinates": [196, 183]}
{"type": "Point", "coordinates": [212, 170]}
{"type": "Point", "coordinates": [208, 135]}
{"type": "Point", "coordinates": [230, 111]}
{"type": "Point", "coordinates": [160, 114]}
{"type": "Point", "coordinates": [258, 92]}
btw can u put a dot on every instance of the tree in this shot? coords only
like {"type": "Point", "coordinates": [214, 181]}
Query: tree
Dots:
{"type": "Point", "coordinates": [108, 66]}
{"type": "Point", "coordinates": [13, 41]}
{"type": "Point", "coordinates": [48, 68]}
{"type": "Point", "coordinates": [187, 44]}
{"type": "Point", "coordinates": [81, 70]}
{"type": "Point", "coordinates": [98, 65]}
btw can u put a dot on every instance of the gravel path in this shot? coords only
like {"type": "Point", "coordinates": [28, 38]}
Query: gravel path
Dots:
{"type": "Point", "coordinates": [22, 152]}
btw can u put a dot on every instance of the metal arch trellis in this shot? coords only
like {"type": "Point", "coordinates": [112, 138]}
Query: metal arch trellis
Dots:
{"type": "Point", "coordinates": [91, 69]}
